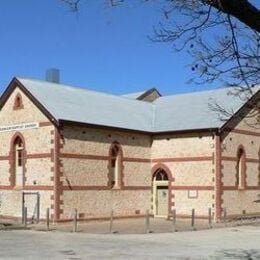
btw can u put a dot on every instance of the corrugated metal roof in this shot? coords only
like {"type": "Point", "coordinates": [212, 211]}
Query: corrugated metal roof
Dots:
{"type": "Point", "coordinates": [192, 110]}
{"type": "Point", "coordinates": [170, 113]}
{"type": "Point", "coordinates": [87, 106]}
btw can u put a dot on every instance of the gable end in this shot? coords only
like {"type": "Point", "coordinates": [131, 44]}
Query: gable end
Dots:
{"type": "Point", "coordinates": [242, 113]}
{"type": "Point", "coordinates": [16, 83]}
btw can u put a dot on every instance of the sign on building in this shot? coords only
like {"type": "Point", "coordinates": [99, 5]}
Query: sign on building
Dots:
{"type": "Point", "coordinates": [18, 127]}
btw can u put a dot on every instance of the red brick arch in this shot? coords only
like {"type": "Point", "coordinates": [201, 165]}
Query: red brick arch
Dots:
{"type": "Point", "coordinates": [162, 166]}
{"type": "Point", "coordinates": [115, 143]}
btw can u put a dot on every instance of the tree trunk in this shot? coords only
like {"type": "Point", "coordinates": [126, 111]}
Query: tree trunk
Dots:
{"type": "Point", "coordinates": [244, 11]}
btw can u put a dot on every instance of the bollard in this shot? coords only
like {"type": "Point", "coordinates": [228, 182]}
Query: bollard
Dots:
{"type": "Point", "coordinates": [25, 216]}
{"type": "Point", "coordinates": [75, 219]}
{"type": "Point", "coordinates": [193, 219]}
{"type": "Point", "coordinates": [174, 220]}
{"type": "Point", "coordinates": [242, 217]}
{"type": "Point", "coordinates": [22, 215]}
{"type": "Point", "coordinates": [48, 218]}
{"type": "Point", "coordinates": [210, 218]}
{"type": "Point", "coordinates": [225, 216]}
{"type": "Point", "coordinates": [111, 221]}
{"type": "Point", "coordinates": [147, 221]}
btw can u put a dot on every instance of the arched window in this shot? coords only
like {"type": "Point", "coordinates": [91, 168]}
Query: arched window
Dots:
{"type": "Point", "coordinates": [18, 149]}
{"type": "Point", "coordinates": [241, 169]}
{"type": "Point", "coordinates": [18, 102]}
{"type": "Point", "coordinates": [115, 166]}
{"type": "Point", "coordinates": [161, 175]}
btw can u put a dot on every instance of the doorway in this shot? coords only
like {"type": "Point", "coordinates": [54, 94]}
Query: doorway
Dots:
{"type": "Point", "coordinates": [161, 194]}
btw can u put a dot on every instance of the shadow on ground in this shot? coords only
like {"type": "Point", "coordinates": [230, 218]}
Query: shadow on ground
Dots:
{"type": "Point", "coordinates": [251, 254]}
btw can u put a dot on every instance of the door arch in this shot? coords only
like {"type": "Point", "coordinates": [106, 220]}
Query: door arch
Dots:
{"type": "Point", "coordinates": [161, 191]}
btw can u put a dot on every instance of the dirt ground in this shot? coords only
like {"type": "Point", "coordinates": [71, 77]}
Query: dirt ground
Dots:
{"type": "Point", "coordinates": [139, 226]}
{"type": "Point", "coordinates": [240, 242]}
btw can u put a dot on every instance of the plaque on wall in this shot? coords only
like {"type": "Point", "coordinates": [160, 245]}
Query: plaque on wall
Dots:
{"type": "Point", "coordinates": [193, 194]}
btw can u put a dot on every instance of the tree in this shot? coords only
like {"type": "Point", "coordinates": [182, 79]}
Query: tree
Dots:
{"type": "Point", "coordinates": [223, 41]}
{"type": "Point", "coordinates": [222, 36]}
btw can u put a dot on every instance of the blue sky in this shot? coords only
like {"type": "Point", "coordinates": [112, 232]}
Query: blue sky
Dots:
{"type": "Point", "coordinates": [99, 48]}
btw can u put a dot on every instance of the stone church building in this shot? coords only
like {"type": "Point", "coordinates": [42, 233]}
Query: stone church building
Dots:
{"type": "Point", "coordinates": [64, 148]}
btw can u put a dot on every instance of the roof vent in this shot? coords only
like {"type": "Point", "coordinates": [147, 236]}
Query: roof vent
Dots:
{"type": "Point", "coordinates": [53, 75]}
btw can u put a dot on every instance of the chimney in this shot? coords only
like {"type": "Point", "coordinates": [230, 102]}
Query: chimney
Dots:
{"type": "Point", "coordinates": [52, 75]}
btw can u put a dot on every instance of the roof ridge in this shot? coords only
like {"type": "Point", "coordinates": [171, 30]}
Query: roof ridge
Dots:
{"type": "Point", "coordinates": [59, 84]}
{"type": "Point", "coordinates": [196, 92]}
{"type": "Point", "coordinates": [80, 88]}
{"type": "Point", "coordinates": [204, 91]}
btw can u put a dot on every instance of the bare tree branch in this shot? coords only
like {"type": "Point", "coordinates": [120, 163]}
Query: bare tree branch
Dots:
{"type": "Point", "coordinates": [222, 37]}
{"type": "Point", "coordinates": [73, 4]}
{"type": "Point", "coordinates": [243, 10]}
